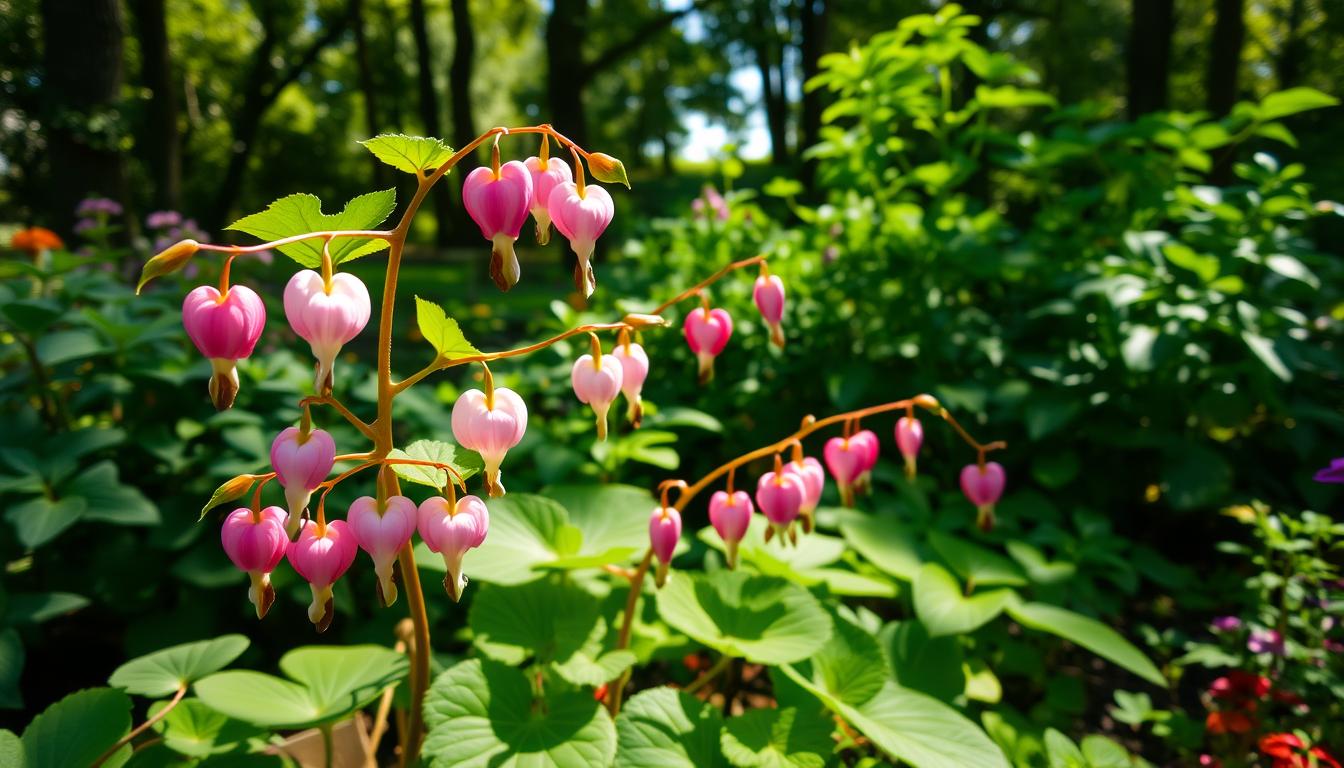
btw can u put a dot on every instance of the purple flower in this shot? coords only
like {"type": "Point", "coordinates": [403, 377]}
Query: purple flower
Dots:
{"type": "Point", "coordinates": [163, 219]}
{"type": "Point", "coordinates": [1333, 473]}
{"type": "Point", "coordinates": [1334, 646]}
{"type": "Point", "coordinates": [1226, 624]}
{"type": "Point", "coordinates": [93, 206]}
{"type": "Point", "coordinates": [1265, 641]}
{"type": "Point", "coordinates": [84, 225]}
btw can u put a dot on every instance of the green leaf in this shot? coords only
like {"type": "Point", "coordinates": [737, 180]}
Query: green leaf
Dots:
{"type": "Point", "coordinates": [11, 669]}
{"type": "Point", "coordinates": [482, 713]}
{"type": "Point", "coordinates": [64, 346]}
{"type": "Point", "coordinates": [931, 665]}
{"type": "Point", "coordinates": [109, 500]}
{"type": "Point", "coordinates": [410, 154]}
{"type": "Point", "coordinates": [1204, 266]}
{"type": "Point", "coordinates": [939, 603]}
{"type": "Point", "coordinates": [77, 729]}
{"type": "Point", "coordinates": [301, 214]}
{"type": "Point", "coordinates": [911, 726]}
{"type": "Point", "coordinates": [442, 331]}
{"type": "Point", "coordinates": [1264, 350]}
{"type": "Point", "coordinates": [849, 666]}
{"type": "Point", "coordinates": [777, 738]}
{"type": "Point", "coordinates": [39, 520]}
{"type": "Point", "coordinates": [1010, 96]}
{"type": "Point", "coordinates": [763, 619]}
{"type": "Point", "coordinates": [613, 518]}
{"type": "Point", "coordinates": [547, 619]}
{"type": "Point", "coordinates": [885, 542]}
{"type": "Point", "coordinates": [592, 667]}
{"type": "Point", "coordinates": [1292, 101]}
{"type": "Point", "coordinates": [976, 564]}
{"type": "Point", "coordinates": [11, 750]}
{"type": "Point", "coordinates": [1089, 633]}
{"type": "Point", "coordinates": [193, 729]}
{"type": "Point", "coordinates": [37, 607]}
{"type": "Point", "coordinates": [667, 728]}
{"type": "Point", "coordinates": [466, 463]}
{"type": "Point", "coordinates": [525, 532]}
{"type": "Point", "coordinates": [162, 673]}
{"type": "Point", "coordinates": [327, 684]}
{"type": "Point", "coordinates": [1101, 752]}
{"type": "Point", "coordinates": [1040, 570]}
{"type": "Point", "coordinates": [1063, 752]}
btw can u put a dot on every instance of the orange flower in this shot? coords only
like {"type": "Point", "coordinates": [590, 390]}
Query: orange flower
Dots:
{"type": "Point", "coordinates": [35, 240]}
{"type": "Point", "coordinates": [1227, 722]}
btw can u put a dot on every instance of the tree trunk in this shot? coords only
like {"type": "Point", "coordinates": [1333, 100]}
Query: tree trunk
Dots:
{"type": "Point", "coordinates": [1149, 55]}
{"type": "Point", "coordinates": [82, 61]}
{"type": "Point", "coordinates": [769, 63]}
{"type": "Point", "coordinates": [429, 115]}
{"type": "Point", "coordinates": [565, 76]}
{"type": "Point", "coordinates": [161, 139]}
{"type": "Point", "coordinates": [459, 77]}
{"type": "Point", "coordinates": [1229, 32]}
{"type": "Point", "coordinates": [1288, 65]}
{"type": "Point", "coordinates": [815, 18]}
{"type": "Point", "coordinates": [367, 88]}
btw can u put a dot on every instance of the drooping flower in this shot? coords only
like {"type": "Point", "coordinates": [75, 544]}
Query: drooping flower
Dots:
{"type": "Point", "coordinates": [383, 533]}
{"type": "Point", "coordinates": [498, 200]}
{"type": "Point", "coordinates": [321, 554]}
{"type": "Point", "coordinates": [870, 448]}
{"type": "Point", "coordinates": [451, 530]}
{"type": "Point", "coordinates": [256, 545]}
{"type": "Point", "coordinates": [730, 514]}
{"type": "Point", "coordinates": [813, 478]}
{"type": "Point", "coordinates": [225, 329]}
{"type": "Point", "coordinates": [634, 370]}
{"type": "Point", "coordinates": [768, 293]}
{"type": "Point", "coordinates": [909, 438]}
{"type": "Point", "coordinates": [664, 533]}
{"type": "Point", "coordinates": [1265, 641]}
{"type": "Point", "coordinates": [490, 426]}
{"type": "Point", "coordinates": [581, 215]}
{"type": "Point", "coordinates": [845, 459]}
{"type": "Point", "coordinates": [983, 486]}
{"type": "Point", "coordinates": [301, 462]}
{"type": "Point", "coordinates": [1226, 624]}
{"type": "Point", "coordinates": [547, 174]}
{"type": "Point", "coordinates": [1333, 473]}
{"type": "Point", "coordinates": [780, 498]}
{"type": "Point", "coordinates": [327, 316]}
{"type": "Point", "coordinates": [707, 332]}
{"type": "Point", "coordinates": [597, 381]}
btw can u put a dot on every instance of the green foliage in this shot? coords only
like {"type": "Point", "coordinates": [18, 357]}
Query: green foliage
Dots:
{"type": "Point", "coordinates": [78, 729]}
{"type": "Point", "coordinates": [441, 331]}
{"type": "Point", "coordinates": [164, 672]}
{"type": "Point", "coordinates": [464, 463]}
{"type": "Point", "coordinates": [665, 727]}
{"type": "Point", "coordinates": [409, 154]}
{"type": "Point", "coordinates": [301, 214]}
{"type": "Point", "coordinates": [764, 620]}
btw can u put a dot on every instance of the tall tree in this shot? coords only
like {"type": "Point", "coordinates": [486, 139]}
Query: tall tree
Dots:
{"type": "Point", "coordinates": [82, 78]}
{"type": "Point", "coordinates": [814, 18]}
{"type": "Point", "coordinates": [1151, 26]}
{"type": "Point", "coordinates": [367, 87]}
{"type": "Point", "coordinates": [1288, 64]}
{"type": "Point", "coordinates": [160, 137]}
{"type": "Point", "coordinates": [429, 114]}
{"type": "Point", "coordinates": [1229, 33]}
{"type": "Point", "coordinates": [459, 77]}
{"type": "Point", "coordinates": [768, 49]}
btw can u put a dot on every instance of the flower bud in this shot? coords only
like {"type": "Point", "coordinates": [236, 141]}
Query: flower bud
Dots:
{"type": "Point", "coordinates": [171, 259]}
{"type": "Point", "coordinates": [983, 487]}
{"type": "Point", "coordinates": [634, 370]}
{"type": "Point", "coordinates": [225, 329]}
{"type": "Point", "coordinates": [498, 201]}
{"type": "Point", "coordinates": [909, 437]}
{"type": "Point", "coordinates": [768, 294]}
{"type": "Point", "coordinates": [383, 533]}
{"type": "Point", "coordinates": [813, 477]}
{"type": "Point", "coordinates": [780, 497]}
{"type": "Point", "coordinates": [256, 545]}
{"type": "Point", "coordinates": [664, 533]}
{"type": "Point", "coordinates": [607, 169]}
{"type": "Point", "coordinates": [321, 554]}
{"type": "Point", "coordinates": [451, 530]}
{"type": "Point", "coordinates": [326, 316]}
{"type": "Point", "coordinates": [707, 332]}
{"type": "Point", "coordinates": [637, 321]}
{"type": "Point", "coordinates": [301, 463]}
{"type": "Point", "coordinates": [490, 428]}
{"type": "Point", "coordinates": [730, 514]}
{"type": "Point", "coordinates": [582, 218]}
{"type": "Point", "coordinates": [547, 174]}
{"type": "Point", "coordinates": [597, 382]}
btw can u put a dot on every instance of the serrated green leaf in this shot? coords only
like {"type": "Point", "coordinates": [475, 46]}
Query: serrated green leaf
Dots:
{"type": "Point", "coordinates": [441, 331]}
{"type": "Point", "coordinates": [79, 728]}
{"type": "Point", "coordinates": [669, 729]}
{"type": "Point", "coordinates": [163, 672]}
{"type": "Point", "coordinates": [777, 738]}
{"type": "Point", "coordinates": [763, 619]}
{"type": "Point", "coordinates": [410, 154]}
{"type": "Point", "coordinates": [546, 619]}
{"type": "Point", "coordinates": [301, 213]}
{"type": "Point", "coordinates": [466, 463]}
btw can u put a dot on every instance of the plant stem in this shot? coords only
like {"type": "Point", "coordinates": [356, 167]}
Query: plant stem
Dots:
{"type": "Point", "coordinates": [709, 674]}
{"type": "Point", "coordinates": [326, 744]}
{"type": "Point", "coordinates": [627, 622]}
{"type": "Point", "coordinates": [124, 740]}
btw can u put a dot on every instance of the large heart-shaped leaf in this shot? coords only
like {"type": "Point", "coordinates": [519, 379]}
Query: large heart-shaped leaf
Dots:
{"type": "Point", "coordinates": [943, 609]}
{"type": "Point", "coordinates": [931, 665]}
{"type": "Point", "coordinates": [546, 619]}
{"type": "Point", "coordinates": [885, 542]}
{"type": "Point", "coordinates": [39, 520]}
{"type": "Point", "coordinates": [976, 564]}
{"type": "Point", "coordinates": [1089, 633]}
{"type": "Point", "coordinates": [1038, 568]}
{"type": "Point", "coordinates": [109, 500]}
{"type": "Point", "coordinates": [195, 730]}
{"type": "Point", "coordinates": [777, 738]}
{"type": "Point", "coordinates": [162, 673]}
{"type": "Point", "coordinates": [526, 531]}
{"type": "Point", "coordinates": [614, 518]}
{"type": "Point", "coordinates": [326, 684]}
{"type": "Point", "coordinates": [483, 713]}
{"type": "Point", "coordinates": [79, 728]}
{"type": "Point", "coordinates": [766, 620]}
{"type": "Point", "coordinates": [664, 727]}
{"type": "Point", "coordinates": [805, 563]}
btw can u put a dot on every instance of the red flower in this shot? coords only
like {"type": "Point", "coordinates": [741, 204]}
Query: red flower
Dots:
{"type": "Point", "coordinates": [1227, 722]}
{"type": "Point", "coordinates": [1240, 684]}
{"type": "Point", "coordinates": [1288, 751]}
{"type": "Point", "coordinates": [35, 239]}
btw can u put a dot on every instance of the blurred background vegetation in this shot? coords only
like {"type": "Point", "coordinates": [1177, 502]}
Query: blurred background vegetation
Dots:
{"type": "Point", "coordinates": [1103, 230]}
